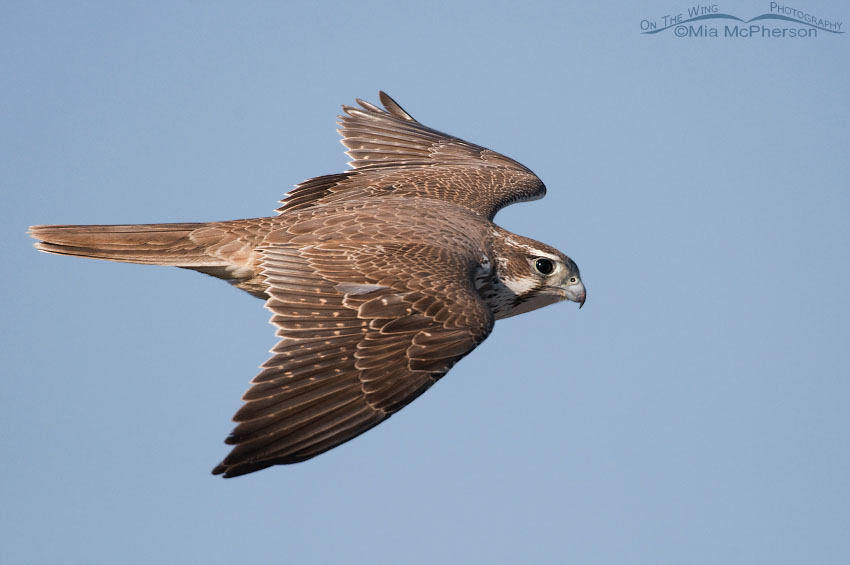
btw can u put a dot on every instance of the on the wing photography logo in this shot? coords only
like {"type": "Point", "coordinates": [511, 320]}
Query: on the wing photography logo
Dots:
{"type": "Point", "coordinates": [706, 20]}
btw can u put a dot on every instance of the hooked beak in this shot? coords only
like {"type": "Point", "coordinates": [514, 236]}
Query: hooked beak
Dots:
{"type": "Point", "coordinates": [576, 293]}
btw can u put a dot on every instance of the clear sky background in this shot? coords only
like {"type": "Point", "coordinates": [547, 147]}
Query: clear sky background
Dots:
{"type": "Point", "coordinates": [694, 411]}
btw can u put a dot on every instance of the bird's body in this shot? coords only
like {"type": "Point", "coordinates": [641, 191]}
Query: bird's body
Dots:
{"type": "Point", "coordinates": [379, 279]}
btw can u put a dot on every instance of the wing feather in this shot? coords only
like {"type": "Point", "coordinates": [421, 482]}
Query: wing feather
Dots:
{"type": "Point", "coordinates": [392, 153]}
{"type": "Point", "coordinates": [352, 351]}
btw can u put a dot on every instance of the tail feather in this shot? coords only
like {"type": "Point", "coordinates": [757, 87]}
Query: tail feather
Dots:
{"type": "Point", "coordinates": [152, 244]}
{"type": "Point", "coordinates": [225, 250]}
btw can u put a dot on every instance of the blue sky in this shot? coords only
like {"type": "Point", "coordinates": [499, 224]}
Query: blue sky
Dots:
{"type": "Point", "coordinates": [695, 410]}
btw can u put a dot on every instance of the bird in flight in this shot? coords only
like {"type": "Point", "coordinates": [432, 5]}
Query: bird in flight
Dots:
{"type": "Point", "coordinates": [379, 279]}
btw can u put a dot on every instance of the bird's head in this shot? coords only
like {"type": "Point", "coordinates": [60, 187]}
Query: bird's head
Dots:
{"type": "Point", "coordinates": [532, 275]}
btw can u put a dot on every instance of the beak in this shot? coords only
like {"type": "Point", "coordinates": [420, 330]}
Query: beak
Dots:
{"type": "Point", "coordinates": [576, 293]}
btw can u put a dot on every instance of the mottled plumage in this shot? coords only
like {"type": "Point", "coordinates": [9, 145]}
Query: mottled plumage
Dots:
{"type": "Point", "coordinates": [379, 279]}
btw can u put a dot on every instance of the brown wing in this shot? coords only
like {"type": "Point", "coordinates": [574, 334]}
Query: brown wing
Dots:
{"type": "Point", "coordinates": [354, 349]}
{"type": "Point", "coordinates": [393, 154]}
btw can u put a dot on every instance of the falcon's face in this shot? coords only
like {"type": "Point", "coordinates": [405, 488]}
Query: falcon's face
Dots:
{"type": "Point", "coordinates": [530, 275]}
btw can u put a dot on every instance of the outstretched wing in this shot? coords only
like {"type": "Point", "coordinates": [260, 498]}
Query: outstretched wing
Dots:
{"type": "Point", "coordinates": [394, 155]}
{"type": "Point", "coordinates": [353, 350]}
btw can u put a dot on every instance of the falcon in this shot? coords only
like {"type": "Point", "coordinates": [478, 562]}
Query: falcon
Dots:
{"type": "Point", "coordinates": [379, 279]}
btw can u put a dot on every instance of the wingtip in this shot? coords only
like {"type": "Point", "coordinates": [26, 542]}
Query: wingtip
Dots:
{"type": "Point", "coordinates": [394, 107]}
{"type": "Point", "coordinates": [367, 109]}
{"type": "Point", "coordinates": [238, 469]}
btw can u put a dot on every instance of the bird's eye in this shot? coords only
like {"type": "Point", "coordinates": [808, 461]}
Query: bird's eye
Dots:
{"type": "Point", "coordinates": [573, 280]}
{"type": "Point", "coordinates": [544, 266]}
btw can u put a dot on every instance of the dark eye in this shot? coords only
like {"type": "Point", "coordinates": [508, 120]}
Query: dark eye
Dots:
{"type": "Point", "coordinates": [544, 266]}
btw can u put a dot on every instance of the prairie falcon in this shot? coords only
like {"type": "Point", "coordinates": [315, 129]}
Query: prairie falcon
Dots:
{"type": "Point", "coordinates": [379, 279]}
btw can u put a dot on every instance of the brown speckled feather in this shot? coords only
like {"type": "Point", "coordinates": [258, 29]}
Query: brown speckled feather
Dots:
{"type": "Point", "coordinates": [378, 279]}
{"type": "Point", "coordinates": [394, 155]}
{"type": "Point", "coordinates": [352, 351]}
